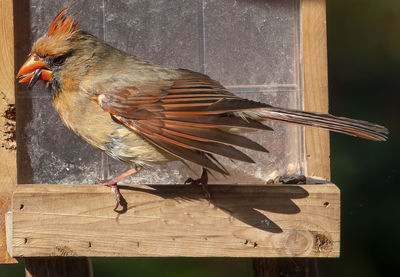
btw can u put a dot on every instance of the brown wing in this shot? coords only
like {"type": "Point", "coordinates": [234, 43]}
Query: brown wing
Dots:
{"type": "Point", "coordinates": [184, 117]}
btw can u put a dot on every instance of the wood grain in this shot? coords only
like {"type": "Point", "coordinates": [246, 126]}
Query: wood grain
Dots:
{"type": "Point", "coordinates": [176, 220]}
{"type": "Point", "coordinates": [8, 166]}
{"type": "Point", "coordinates": [315, 84]}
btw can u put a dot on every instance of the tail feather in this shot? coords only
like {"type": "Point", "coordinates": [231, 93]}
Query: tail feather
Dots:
{"type": "Point", "coordinates": [343, 125]}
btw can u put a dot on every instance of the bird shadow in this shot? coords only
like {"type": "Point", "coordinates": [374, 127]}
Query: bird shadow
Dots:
{"type": "Point", "coordinates": [246, 203]}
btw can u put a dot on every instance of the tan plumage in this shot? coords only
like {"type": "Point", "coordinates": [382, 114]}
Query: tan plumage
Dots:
{"type": "Point", "coordinates": [142, 113]}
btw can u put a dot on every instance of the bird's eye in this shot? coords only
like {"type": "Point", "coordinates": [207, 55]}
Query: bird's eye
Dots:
{"type": "Point", "coordinates": [59, 59]}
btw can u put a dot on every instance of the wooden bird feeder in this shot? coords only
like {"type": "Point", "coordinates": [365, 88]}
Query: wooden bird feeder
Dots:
{"type": "Point", "coordinates": [245, 217]}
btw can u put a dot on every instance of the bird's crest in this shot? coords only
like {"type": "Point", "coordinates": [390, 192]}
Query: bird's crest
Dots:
{"type": "Point", "coordinates": [63, 24]}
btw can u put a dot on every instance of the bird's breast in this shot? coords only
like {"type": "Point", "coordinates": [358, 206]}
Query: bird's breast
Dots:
{"type": "Point", "coordinates": [96, 126]}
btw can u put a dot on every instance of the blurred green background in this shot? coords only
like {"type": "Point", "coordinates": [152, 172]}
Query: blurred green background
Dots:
{"type": "Point", "coordinates": [364, 82]}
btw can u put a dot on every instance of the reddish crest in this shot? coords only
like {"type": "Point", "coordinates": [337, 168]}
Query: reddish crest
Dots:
{"type": "Point", "coordinates": [62, 24]}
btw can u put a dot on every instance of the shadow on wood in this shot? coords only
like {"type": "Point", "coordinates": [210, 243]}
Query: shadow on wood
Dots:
{"type": "Point", "coordinates": [176, 220]}
{"type": "Point", "coordinates": [240, 202]}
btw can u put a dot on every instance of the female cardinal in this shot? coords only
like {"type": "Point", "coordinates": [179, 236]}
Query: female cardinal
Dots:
{"type": "Point", "coordinates": [145, 114]}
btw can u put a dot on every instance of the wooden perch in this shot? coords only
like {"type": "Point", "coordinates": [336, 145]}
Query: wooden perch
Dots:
{"type": "Point", "coordinates": [239, 221]}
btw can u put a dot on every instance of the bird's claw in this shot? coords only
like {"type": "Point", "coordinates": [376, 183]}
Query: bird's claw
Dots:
{"type": "Point", "coordinates": [118, 197]}
{"type": "Point", "coordinates": [192, 181]}
{"type": "Point", "coordinates": [114, 188]}
{"type": "Point", "coordinates": [202, 181]}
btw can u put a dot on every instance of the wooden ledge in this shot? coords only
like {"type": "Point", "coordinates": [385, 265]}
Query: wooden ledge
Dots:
{"type": "Point", "coordinates": [175, 220]}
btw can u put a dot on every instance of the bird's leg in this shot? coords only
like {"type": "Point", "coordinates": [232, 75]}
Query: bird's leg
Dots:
{"type": "Point", "coordinates": [112, 183]}
{"type": "Point", "coordinates": [203, 181]}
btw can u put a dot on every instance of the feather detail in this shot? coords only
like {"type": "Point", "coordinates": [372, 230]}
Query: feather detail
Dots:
{"type": "Point", "coordinates": [145, 110]}
{"type": "Point", "coordinates": [212, 135]}
{"type": "Point", "coordinates": [174, 148]}
{"type": "Point", "coordinates": [153, 130]}
{"type": "Point", "coordinates": [62, 24]}
{"type": "Point", "coordinates": [217, 121]}
{"type": "Point", "coordinates": [343, 125]}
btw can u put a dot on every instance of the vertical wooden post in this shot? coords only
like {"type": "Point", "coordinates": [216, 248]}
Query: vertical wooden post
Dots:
{"type": "Point", "coordinates": [315, 84]}
{"type": "Point", "coordinates": [8, 166]}
{"type": "Point", "coordinates": [293, 267]}
{"type": "Point", "coordinates": [57, 267]}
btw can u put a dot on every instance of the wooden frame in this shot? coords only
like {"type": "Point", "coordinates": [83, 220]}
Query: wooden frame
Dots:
{"type": "Point", "coordinates": [280, 221]}
{"type": "Point", "coordinates": [176, 221]}
{"type": "Point", "coordinates": [8, 161]}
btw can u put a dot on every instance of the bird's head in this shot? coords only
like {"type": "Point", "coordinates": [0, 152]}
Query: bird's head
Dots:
{"type": "Point", "coordinates": [51, 52]}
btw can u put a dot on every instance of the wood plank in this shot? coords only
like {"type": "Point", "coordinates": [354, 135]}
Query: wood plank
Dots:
{"type": "Point", "coordinates": [315, 84]}
{"type": "Point", "coordinates": [176, 220]}
{"type": "Point", "coordinates": [8, 167]}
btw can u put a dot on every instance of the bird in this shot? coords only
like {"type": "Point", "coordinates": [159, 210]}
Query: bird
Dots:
{"type": "Point", "coordinates": [146, 114]}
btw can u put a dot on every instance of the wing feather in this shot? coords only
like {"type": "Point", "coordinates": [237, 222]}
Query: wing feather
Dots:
{"type": "Point", "coordinates": [183, 118]}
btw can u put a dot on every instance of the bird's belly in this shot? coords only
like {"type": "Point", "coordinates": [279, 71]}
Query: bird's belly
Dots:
{"type": "Point", "coordinates": [127, 146]}
{"type": "Point", "coordinates": [97, 127]}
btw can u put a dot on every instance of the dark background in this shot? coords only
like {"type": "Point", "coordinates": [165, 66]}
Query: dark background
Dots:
{"type": "Point", "coordinates": [364, 74]}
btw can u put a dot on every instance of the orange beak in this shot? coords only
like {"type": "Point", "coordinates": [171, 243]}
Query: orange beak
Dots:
{"type": "Point", "coordinates": [32, 71]}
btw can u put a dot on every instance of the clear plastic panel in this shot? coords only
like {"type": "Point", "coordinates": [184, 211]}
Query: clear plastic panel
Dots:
{"type": "Point", "coordinates": [251, 42]}
{"type": "Point", "coordinates": [250, 46]}
{"type": "Point", "coordinates": [163, 31]}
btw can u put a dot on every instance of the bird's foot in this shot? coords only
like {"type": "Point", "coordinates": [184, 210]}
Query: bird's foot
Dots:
{"type": "Point", "coordinates": [112, 183]}
{"type": "Point", "coordinates": [202, 181]}
{"type": "Point", "coordinates": [114, 188]}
